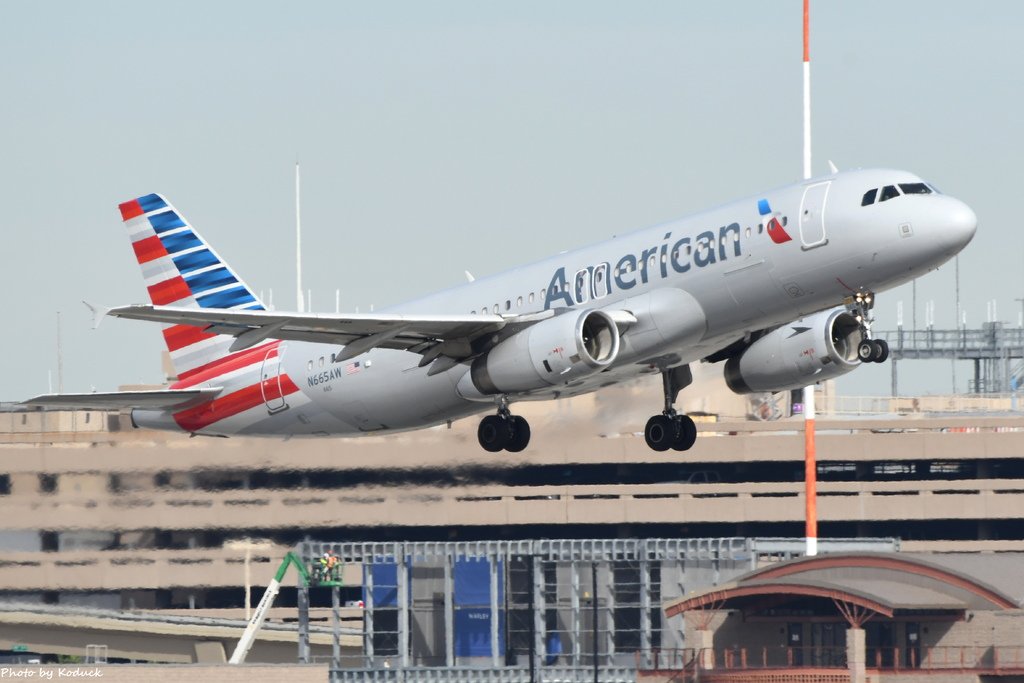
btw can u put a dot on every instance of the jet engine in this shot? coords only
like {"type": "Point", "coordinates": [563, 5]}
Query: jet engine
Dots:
{"type": "Point", "coordinates": [553, 351]}
{"type": "Point", "coordinates": [813, 349]}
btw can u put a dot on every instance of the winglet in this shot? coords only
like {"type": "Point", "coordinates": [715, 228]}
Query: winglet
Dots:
{"type": "Point", "coordinates": [98, 313]}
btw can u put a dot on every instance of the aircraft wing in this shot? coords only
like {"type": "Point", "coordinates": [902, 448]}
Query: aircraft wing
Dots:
{"type": "Point", "coordinates": [434, 336]}
{"type": "Point", "coordinates": [113, 400]}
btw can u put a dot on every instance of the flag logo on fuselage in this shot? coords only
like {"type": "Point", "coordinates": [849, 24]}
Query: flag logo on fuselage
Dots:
{"type": "Point", "coordinates": [772, 225]}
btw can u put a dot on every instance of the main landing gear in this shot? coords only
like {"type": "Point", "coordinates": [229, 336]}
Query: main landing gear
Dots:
{"type": "Point", "coordinates": [503, 431]}
{"type": "Point", "coordinates": [670, 429]}
{"type": "Point", "coordinates": [868, 350]}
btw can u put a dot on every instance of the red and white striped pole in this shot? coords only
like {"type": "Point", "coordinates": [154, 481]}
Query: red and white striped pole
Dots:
{"type": "Point", "coordinates": [810, 459]}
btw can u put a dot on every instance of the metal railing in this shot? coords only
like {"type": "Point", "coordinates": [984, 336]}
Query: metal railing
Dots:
{"type": "Point", "coordinates": [831, 405]}
{"type": "Point", "coordinates": [947, 657]}
{"type": "Point", "coordinates": [986, 339]}
{"type": "Point", "coordinates": [998, 658]}
{"type": "Point", "coordinates": [485, 675]}
{"type": "Point", "coordinates": [743, 658]}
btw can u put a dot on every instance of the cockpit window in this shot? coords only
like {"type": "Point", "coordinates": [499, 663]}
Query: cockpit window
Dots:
{"type": "Point", "coordinates": [915, 188]}
{"type": "Point", "coordinates": [934, 189]}
{"type": "Point", "coordinates": [888, 192]}
{"type": "Point", "coordinates": [869, 197]}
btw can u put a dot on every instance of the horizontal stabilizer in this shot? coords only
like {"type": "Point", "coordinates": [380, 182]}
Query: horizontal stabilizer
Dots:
{"type": "Point", "coordinates": [113, 400]}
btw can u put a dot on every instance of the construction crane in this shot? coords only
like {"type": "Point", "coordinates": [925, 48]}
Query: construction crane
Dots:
{"type": "Point", "coordinates": [321, 577]}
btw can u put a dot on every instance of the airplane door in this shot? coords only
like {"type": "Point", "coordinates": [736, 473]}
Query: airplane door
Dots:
{"type": "Point", "coordinates": [812, 215]}
{"type": "Point", "coordinates": [270, 382]}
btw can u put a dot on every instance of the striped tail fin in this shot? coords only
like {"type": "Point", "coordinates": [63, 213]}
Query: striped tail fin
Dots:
{"type": "Point", "coordinates": [181, 269]}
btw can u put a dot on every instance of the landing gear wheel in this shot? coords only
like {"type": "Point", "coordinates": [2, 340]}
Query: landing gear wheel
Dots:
{"type": "Point", "coordinates": [881, 350]}
{"type": "Point", "coordinates": [671, 430]}
{"type": "Point", "coordinates": [494, 433]}
{"type": "Point", "coordinates": [686, 433]}
{"type": "Point", "coordinates": [660, 432]}
{"type": "Point", "coordinates": [520, 437]}
{"type": "Point", "coordinates": [866, 351]}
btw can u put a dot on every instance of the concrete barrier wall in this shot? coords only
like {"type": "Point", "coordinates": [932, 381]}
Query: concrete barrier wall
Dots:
{"type": "Point", "coordinates": [162, 673]}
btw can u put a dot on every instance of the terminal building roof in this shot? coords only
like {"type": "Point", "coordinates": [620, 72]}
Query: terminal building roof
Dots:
{"type": "Point", "coordinates": [871, 584]}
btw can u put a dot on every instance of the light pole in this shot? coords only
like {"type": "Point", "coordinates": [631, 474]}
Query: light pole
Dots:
{"type": "Point", "coordinates": [248, 545]}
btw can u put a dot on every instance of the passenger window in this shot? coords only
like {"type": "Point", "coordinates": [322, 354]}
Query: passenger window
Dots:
{"type": "Point", "coordinates": [914, 188]}
{"type": "Point", "coordinates": [495, 309]}
{"type": "Point", "coordinates": [508, 304]}
{"type": "Point", "coordinates": [531, 297]}
{"type": "Point", "coordinates": [869, 197]}
{"type": "Point", "coordinates": [748, 231]}
{"type": "Point", "coordinates": [321, 361]}
{"type": "Point", "coordinates": [309, 366]}
{"type": "Point", "coordinates": [888, 192]}
{"type": "Point", "coordinates": [519, 302]}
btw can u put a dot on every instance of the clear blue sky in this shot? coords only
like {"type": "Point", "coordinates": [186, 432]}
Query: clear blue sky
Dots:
{"type": "Point", "coordinates": [443, 136]}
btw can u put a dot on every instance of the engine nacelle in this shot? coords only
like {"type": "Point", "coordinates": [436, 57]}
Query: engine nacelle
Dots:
{"type": "Point", "coordinates": [813, 349]}
{"type": "Point", "coordinates": [554, 351]}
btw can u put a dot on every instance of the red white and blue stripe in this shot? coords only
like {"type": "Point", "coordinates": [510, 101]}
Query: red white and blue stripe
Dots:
{"type": "Point", "coordinates": [181, 269]}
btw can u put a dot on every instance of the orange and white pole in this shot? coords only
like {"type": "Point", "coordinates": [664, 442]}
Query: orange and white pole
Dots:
{"type": "Point", "coordinates": [807, 89]}
{"type": "Point", "coordinates": [810, 459]}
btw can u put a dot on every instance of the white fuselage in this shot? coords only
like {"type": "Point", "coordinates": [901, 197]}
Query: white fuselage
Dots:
{"type": "Point", "coordinates": [712, 277]}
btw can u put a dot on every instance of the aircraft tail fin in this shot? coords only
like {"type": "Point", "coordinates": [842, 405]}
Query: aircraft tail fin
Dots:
{"type": "Point", "coordinates": [180, 268]}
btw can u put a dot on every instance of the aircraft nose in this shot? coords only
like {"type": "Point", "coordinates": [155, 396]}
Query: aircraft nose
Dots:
{"type": "Point", "coordinates": [959, 223]}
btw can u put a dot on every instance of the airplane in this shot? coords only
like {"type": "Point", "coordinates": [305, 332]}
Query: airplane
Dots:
{"type": "Point", "coordinates": [779, 286]}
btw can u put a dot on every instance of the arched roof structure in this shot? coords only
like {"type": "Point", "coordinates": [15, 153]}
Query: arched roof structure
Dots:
{"type": "Point", "coordinates": [871, 584]}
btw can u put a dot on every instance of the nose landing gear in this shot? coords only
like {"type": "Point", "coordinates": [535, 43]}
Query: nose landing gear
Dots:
{"type": "Point", "coordinates": [869, 350]}
{"type": "Point", "coordinates": [504, 431]}
{"type": "Point", "coordinates": [671, 430]}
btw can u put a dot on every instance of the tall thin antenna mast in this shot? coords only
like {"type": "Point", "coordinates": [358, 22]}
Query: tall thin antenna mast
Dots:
{"type": "Point", "coordinates": [60, 359]}
{"type": "Point", "coordinates": [298, 244]}
{"type": "Point", "coordinates": [810, 458]}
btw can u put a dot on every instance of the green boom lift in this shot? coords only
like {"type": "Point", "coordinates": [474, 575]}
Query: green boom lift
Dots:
{"type": "Point", "coordinates": [318, 577]}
